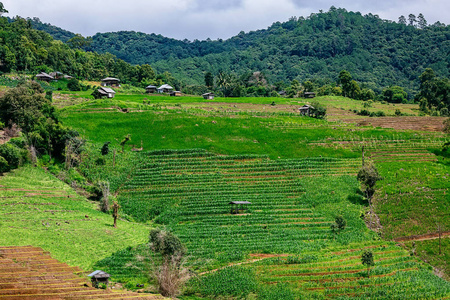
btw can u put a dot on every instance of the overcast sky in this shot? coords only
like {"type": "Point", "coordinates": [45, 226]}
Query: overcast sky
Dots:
{"type": "Point", "coordinates": [201, 19]}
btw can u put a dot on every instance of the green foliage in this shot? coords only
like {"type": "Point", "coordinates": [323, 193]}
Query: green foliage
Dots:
{"type": "Point", "coordinates": [73, 85]}
{"type": "Point", "coordinates": [12, 155]}
{"type": "Point", "coordinates": [394, 94]}
{"type": "Point", "coordinates": [4, 166]}
{"type": "Point", "coordinates": [367, 260]}
{"type": "Point", "coordinates": [434, 91]}
{"type": "Point", "coordinates": [105, 148]}
{"type": "Point", "coordinates": [230, 281]}
{"type": "Point", "coordinates": [166, 243]}
{"type": "Point", "coordinates": [368, 176]}
{"type": "Point", "coordinates": [318, 111]}
{"type": "Point", "coordinates": [339, 224]}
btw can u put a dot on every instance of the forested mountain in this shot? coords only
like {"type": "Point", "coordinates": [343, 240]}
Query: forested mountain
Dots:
{"type": "Point", "coordinates": [378, 53]}
{"type": "Point", "coordinates": [25, 49]}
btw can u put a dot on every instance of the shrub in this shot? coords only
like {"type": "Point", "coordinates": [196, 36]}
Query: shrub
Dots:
{"type": "Point", "coordinates": [73, 85]}
{"type": "Point", "coordinates": [11, 154]}
{"type": "Point", "coordinates": [4, 166]}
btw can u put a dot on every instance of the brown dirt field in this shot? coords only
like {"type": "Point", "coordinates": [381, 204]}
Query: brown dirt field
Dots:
{"type": "Point", "coordinates": [423, 237]}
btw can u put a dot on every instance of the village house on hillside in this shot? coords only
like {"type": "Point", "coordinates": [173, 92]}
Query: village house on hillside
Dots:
{"type": "Point", "coordinates": [165, 88]}
{"type": "Point", "coordinates": [305, 110]}
{"type": "Point", "coordinates": [57, 75]}
{"type": "Point", "coordinates": [208, 96]}
{"type": "Point", "coordinates": [44, 77]}
{"type": "Point", "coordinates": [103, 92]}
{"type": "Point", "coordinates": [175, 93]}
{"type": "Point", "coordinates": [150, 89]}
{"type": "Point", "coordinates": [110, 81]}
{"type": "Point", "coordinates": [309, 94]}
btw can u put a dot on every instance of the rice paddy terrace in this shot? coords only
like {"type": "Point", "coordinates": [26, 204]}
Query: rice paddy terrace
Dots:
{"type": "Point", "coordinates": [28, 272]}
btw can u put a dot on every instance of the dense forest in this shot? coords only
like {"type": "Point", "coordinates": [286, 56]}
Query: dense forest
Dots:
{"type": "Point", "coordinates": [378, 53]}
{"type": "Point", "coordinates": [28, 50]}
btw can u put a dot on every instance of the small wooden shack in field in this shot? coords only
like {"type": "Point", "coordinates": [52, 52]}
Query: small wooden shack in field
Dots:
{"type": "Point", "coordinates": [309, 95]}
{"type": "Point", "coordinates": [165, 88]}
{"type": "Point", "coordinates": [305, 110]}
{"type": "Point", "coordinates": [98, 277]}
{"type": "Point", "coordinates": [175, 94]}
{"type": "Point", "coordinates": [208, 96]}
{"type": "Point", "coordinates": [150, 89]}
{"type": "Point", "coordinates": [103, 92]}
{"type": "Point", "coordinates": [238, 206]}
{"type": "Point", "coordinates": [44, 77]}
{"type": "Point", "coordinates": [110, 81]}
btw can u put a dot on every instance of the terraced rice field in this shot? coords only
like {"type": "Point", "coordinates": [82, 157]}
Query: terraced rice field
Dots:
{"type": "Point", "coordinates": [30, 273]}
{"type": "Point", "coordinates": [340, 274]}
{"type": "Point", "coordinates": [190, 191]}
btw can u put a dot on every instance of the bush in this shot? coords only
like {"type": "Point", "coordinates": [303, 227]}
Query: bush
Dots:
{"type": "Point", "coordinates": [73, 85]}
{"type": "Point", "coordinates": [11, 154]}
{"type": "Point", "coordinates": [4, 166]}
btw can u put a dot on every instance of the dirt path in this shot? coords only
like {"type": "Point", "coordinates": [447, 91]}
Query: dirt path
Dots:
{"type": "Point", "coordinates": [423, 237]}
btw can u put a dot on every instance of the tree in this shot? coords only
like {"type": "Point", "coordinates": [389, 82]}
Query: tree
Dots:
{"type": "Point", "coordinates": [79, 42]}
{"type": "Point", "coordinates": [367, 260]}
{"type": "Point", "coordinates": [368, 176]}
{"type": "Point", "coordinates": [345, 79]}
{"type": "Point", "coordinates": [2, 9]}
{"type": "Point", "coordinates": [171, 275]}
{"type": "Point", "coordinates": [421, 22]}
{"type": "Point", "coordinates": [394, 94]}
{"type": "Point", "coordinates": [412, 19]}
{"type": "Point", "coordinates": [209, 79]}
{"type": "Point", "coordinates": [339, 224]}
{"type": "Point", "coordinates": [402, 20]}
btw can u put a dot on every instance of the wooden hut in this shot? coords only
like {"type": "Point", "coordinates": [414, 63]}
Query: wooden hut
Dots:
{"type": "Point", "coordinates": [238, 206]}
{"type": "Point", "coordinates": [110, 81]}
{"type": "Point", "coordinates": [103, 92]}
{"type": "Point", "coordinates": [57, 75]}
{"type": "Point", "coordinates": [175, 93]}
{"type": "Point", "coordinates": [165, 88]}
{"type": "Point", "coordinates": [44, 77]}
{"type": "Point", "coordinates": [208, 96]}
{"type": "Point", "coordinates": [150, 89]}
{"type": "Point", "coordinates": [98, 277]}
{"type": "Point", "coordinates": [305, 110]}
{"type": "Point", "coordinates": [309, 95]}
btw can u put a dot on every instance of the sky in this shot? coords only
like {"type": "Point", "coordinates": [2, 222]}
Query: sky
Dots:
{"type": "Point", "coordinates": [202, 19]}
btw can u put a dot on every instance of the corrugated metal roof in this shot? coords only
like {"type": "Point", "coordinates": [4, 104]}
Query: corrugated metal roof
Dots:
{"type": "Point", "coordinates": [240, 202]}
{"type": "Point", "coordinates": [165, 86]}
{"type": "Point", "coordinates": [108, 90]}
{"type": "Point", "coordinates": [110, 79]}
